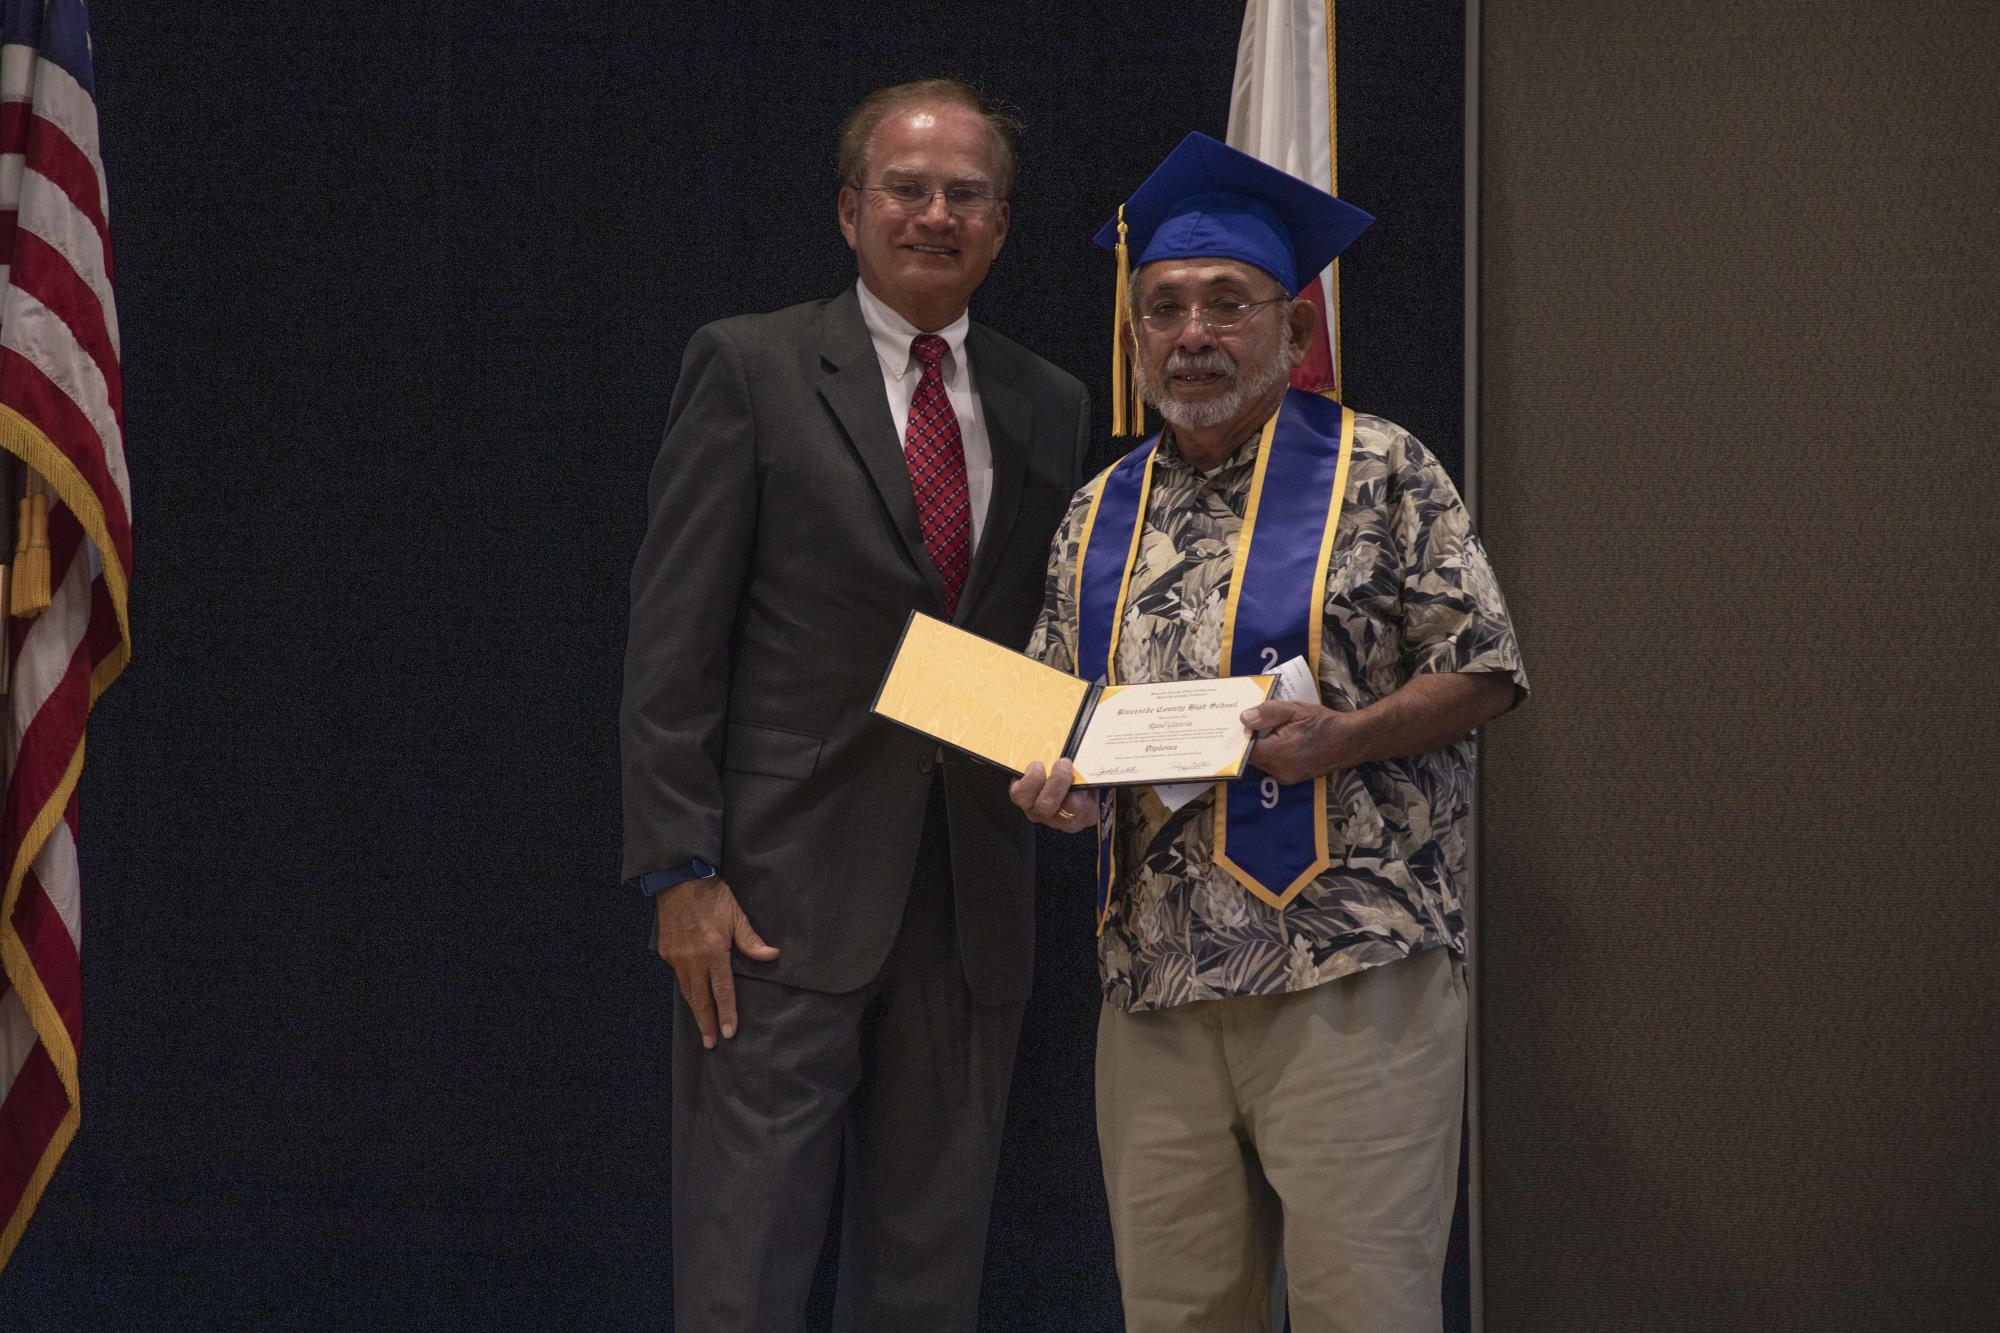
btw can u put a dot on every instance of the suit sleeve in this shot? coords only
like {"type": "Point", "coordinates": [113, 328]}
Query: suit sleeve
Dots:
{"type": "Point", "coordinates": [690, 571]}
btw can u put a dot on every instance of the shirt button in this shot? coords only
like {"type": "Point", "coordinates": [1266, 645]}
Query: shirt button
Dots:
{"type": "Point", "coordinates": [924, 765]}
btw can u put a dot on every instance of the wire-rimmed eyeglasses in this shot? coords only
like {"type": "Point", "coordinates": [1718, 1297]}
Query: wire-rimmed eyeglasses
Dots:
{"type": "Point", "coordinates": [966, 201]}
{"type": "Point", "coordinates": [1221, 317]}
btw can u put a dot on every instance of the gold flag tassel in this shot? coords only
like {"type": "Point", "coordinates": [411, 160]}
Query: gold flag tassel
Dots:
{"type": "Point", "coordinates": [31, 553]}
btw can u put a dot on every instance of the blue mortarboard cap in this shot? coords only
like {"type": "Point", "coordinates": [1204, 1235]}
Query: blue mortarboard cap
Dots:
{"type": "Point", "coordinates": [1210, 201]}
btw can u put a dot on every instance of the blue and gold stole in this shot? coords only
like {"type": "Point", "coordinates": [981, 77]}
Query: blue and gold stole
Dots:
{"type": "Point", "coordinates": [1270, 835]}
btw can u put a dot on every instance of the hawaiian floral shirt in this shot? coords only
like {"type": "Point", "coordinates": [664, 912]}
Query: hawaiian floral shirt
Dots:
{"type": "Point", "coordinates": [1408, 591]}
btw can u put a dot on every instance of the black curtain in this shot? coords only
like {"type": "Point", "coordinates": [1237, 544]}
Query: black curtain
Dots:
{"type": "Point", "coordinates": [372, 1037]}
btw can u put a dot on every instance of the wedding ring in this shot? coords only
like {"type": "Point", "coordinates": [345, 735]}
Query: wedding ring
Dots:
{"type": "Point", "coordinates": [1065, 813]}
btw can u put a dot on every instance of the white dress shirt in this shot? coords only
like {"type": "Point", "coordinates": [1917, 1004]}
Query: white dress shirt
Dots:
{"type": "Point", "coordinates": [901, 372]}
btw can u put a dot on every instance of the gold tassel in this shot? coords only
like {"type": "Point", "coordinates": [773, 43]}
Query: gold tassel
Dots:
{"type": "Point", "coordinates": [31, 555]}
{"type": "Point", "coordinates": [1121, 321]}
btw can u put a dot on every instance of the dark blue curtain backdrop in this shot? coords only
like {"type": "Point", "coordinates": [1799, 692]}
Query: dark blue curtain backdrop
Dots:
{"type": "Point", "coordinates": [372, 1039]}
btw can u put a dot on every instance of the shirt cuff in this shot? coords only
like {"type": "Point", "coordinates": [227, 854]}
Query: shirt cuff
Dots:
{"type": "Point", "coordinates": [653, 881]}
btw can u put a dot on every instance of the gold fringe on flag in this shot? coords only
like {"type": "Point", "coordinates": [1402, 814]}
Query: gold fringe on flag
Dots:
{"type": "Point", "coordinates": [30, 594]}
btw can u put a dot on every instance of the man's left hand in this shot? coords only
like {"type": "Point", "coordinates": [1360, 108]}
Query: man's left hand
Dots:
{"type": "Point", "coordinates": [1052, 801]}
{"type": "Point", "coordinates": [1305, 740]}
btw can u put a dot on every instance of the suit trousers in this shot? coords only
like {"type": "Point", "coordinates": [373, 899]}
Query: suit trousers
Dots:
{"type": "Point", "coordinates": [899, 1089]}
{"type": "Point", "coordinates": [1325, 1120]}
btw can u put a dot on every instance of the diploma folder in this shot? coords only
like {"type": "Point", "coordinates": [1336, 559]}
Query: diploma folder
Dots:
{"type": "Point", "coordinates": [1008, 709]}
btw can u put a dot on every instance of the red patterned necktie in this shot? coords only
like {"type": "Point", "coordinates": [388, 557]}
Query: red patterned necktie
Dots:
{"type": "Point", "coordinates": [935, 453]}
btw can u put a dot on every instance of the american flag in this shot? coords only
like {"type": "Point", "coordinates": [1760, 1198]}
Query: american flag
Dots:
{"type": "Point", "coordinates": [61, 416]}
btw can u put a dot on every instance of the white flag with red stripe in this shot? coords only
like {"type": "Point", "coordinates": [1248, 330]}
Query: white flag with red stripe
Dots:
{"type": "Point", "coordinates": [61, 414]}
{"type": "Point", "coordinates": [1281, 111]}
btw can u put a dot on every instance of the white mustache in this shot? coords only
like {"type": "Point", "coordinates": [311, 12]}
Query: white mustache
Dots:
{"type": "Point", "coordinates": [1213, 360]}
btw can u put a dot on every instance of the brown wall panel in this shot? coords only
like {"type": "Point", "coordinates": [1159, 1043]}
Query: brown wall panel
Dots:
{"type": "Point", "coordinates": [1741, 865]}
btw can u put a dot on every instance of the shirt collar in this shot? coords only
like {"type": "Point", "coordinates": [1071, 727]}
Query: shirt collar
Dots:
{"type": "Point", "coordinates": [892, 335]}
{"type": "Point", "coordinates": [1246, 453]}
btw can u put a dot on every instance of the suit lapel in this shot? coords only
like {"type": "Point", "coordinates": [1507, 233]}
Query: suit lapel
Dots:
{"type": "Point", "coordinates": [1009, 417]}
{"type": "Point", "coordinates": [853, 391]}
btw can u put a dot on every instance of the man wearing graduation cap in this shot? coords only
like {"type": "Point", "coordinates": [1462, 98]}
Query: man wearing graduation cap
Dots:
{"type": "Point", "coordinates": [1281, 1051]}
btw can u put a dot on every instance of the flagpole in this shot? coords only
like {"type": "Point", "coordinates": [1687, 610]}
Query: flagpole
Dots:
{"type": "Point", "coordinates": [1333, 188]}
{"type": "Point", "coordinates": [1475, 1069]}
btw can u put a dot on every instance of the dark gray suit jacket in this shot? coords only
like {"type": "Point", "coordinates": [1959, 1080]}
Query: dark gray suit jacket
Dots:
{"type": "Point", "coordinates": [780, 563]}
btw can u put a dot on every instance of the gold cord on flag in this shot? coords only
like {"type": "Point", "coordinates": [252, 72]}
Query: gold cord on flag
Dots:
{"type": "Point", "coordinates": [30, 593]}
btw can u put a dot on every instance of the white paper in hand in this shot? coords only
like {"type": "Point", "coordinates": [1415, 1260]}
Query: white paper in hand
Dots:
{"type": "Point", "coordinates": [1295, 681]}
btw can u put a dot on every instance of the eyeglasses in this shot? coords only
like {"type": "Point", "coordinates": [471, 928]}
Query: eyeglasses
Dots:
{"type": "Point", "coordinates": [965, 201]}
{"type": "Point", "coordinates": [1221, 317]}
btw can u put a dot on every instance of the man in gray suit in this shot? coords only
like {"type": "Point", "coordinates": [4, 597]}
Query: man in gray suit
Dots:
{"type": "Point", "coordinates": [848, 912]}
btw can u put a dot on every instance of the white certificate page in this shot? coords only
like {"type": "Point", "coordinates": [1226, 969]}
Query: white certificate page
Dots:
{"type": "Point", "coordinates": [1170, 731]}
{"type": "Point", "coordinates": [1295, 681]}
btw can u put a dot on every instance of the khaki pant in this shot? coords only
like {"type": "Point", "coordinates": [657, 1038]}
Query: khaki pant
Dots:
{"type": "Point", "coordinates": [1326, 1121]}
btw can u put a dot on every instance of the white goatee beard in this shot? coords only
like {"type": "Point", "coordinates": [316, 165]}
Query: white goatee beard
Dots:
{"type": "Point", "coordinates": [1214, 411]}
